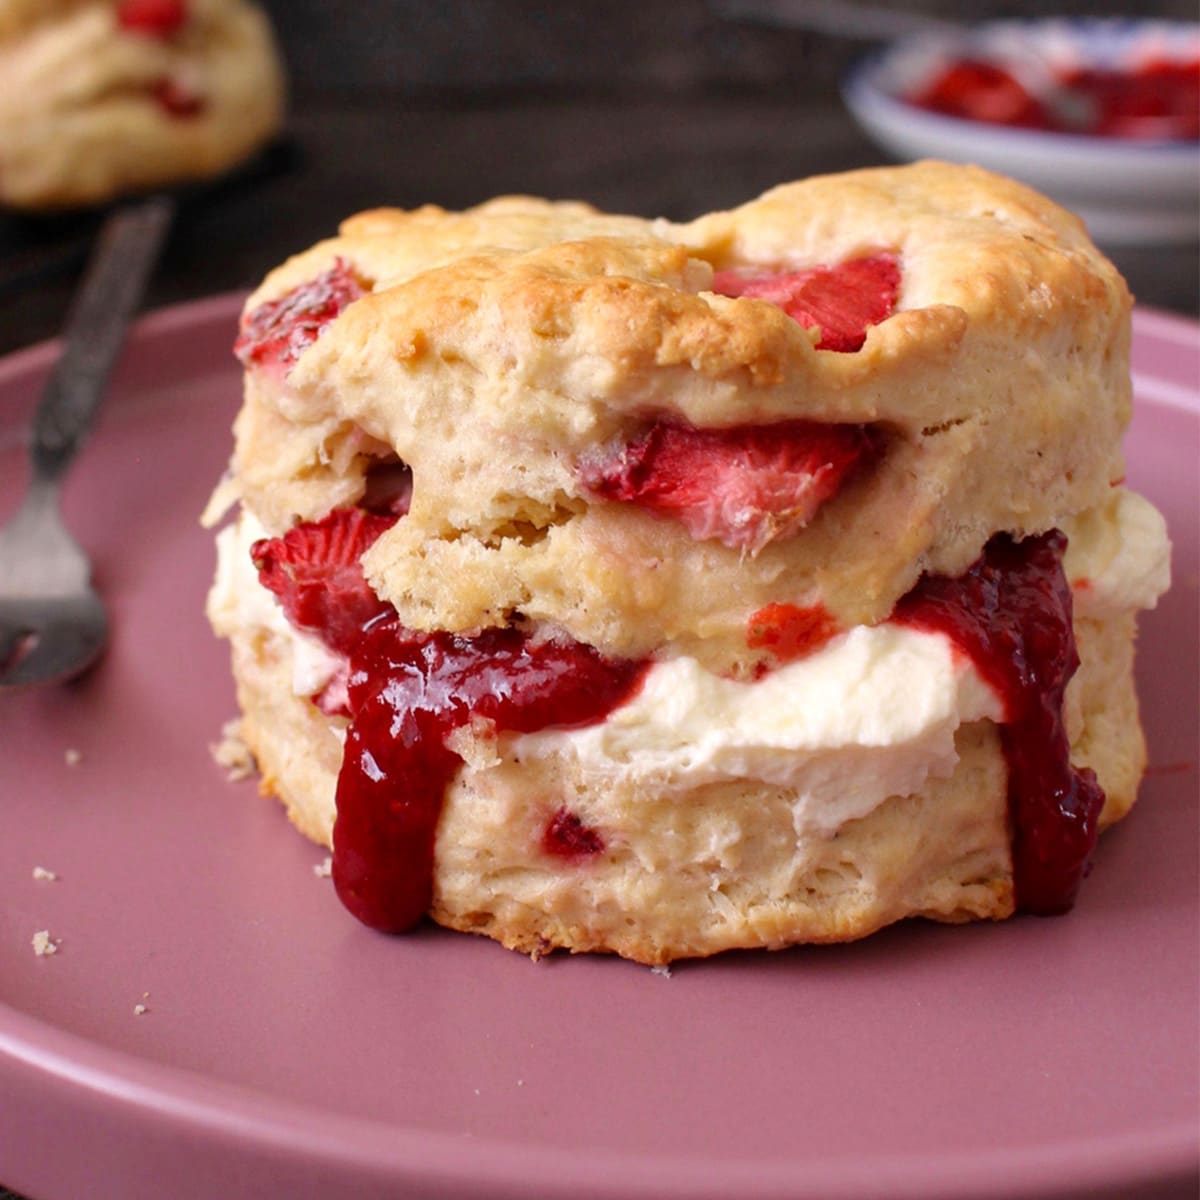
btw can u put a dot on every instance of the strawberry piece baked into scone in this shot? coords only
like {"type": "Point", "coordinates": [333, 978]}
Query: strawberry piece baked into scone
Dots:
{"type": "Point", "coordinates": [104, 97]}
{"type": "Point", "coordinates": [661, 589]}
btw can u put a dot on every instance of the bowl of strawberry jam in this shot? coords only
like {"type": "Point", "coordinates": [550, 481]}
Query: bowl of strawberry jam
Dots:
{"type": "Point", "coordinates": [1102, 115]}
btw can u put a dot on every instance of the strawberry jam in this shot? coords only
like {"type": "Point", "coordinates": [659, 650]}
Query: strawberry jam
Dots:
{"type": "Point", "coordinates": [276, 333]}
{"type": "Point", "coordinates": [746, 486]}
{"type": "Point", "coordinates": [1011, 613]}
{"type": "Point", "coordinates": [408, 692]}
{"type": "Point", "coordinates": [843, 301]}
{"type": "Point", "coordinates": [566, 836]}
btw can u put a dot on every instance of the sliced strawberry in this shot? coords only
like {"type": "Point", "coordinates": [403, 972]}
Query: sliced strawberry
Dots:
{"type": "Point", "coordinates": [314, 571]}
{"type": "Point", "coordinates": [746, 486]}
{"type": "Point", "coordinates": [841, 301]}
{"type": "Point", "coordinates": [978, 90]}
{"type": "Point", "coordinates": [279, 331]}
{"type": "Point", "coordinates": [789, 631]}
{"type": "Point", "coordinates": [158, 18]}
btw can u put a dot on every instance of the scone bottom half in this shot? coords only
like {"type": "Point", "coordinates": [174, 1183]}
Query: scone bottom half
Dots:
{"type": "Point", "coordinates": [660, 589]}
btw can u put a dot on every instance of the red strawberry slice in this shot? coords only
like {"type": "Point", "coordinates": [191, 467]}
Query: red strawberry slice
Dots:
{"type": "Point", "coordinates": [745, 487]}
{"type": "Point", "coordinates": [314, 571]}
{"type": "Point", "coordinates": [279, 331]}
{"type": "Point", "coordinates": [158, 18]}
{"type": "Point", "coordinates": [982, 91]}
{"type": "Point", "coordinates": [790, 632]}
{"type": "Point", "coordinates": [841, 301]}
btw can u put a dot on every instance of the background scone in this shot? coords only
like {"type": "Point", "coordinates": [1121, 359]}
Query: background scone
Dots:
{"type": "Point", "coordinates": [103, 97]}
{"type": "Point", "coordinates": [709, 575]}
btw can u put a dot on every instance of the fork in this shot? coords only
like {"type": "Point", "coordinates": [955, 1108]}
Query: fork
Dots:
{"type": "Point", "coordinates": [53, 624]}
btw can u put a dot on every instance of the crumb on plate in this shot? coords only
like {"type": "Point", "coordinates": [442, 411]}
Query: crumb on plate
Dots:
{"type": "Point", "coordinates": [43, 944]}
{"type": "Point", "coordinates": [232, 753]}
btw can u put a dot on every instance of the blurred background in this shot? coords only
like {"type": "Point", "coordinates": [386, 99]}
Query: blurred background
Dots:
{"type": "Point", "coordinates": [659, 107]}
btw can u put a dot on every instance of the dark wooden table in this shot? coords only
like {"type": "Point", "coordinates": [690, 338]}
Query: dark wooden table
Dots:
{"type": "Point", "coordinates": [658, 156]}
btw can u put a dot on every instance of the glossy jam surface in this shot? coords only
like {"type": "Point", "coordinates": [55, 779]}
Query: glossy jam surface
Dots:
{"type": "Point", "coordinates": [843, 301]}
{"type": "Point", "coordinates": [746, 486]}
{"type": "Point", "coordinates": [408, 693]}
{"type": "Point", "coordinates": [157, 18]}
{"type": "Point", "coordinates": [276, 333]}
{"type": "Point", "coordinates": [1159, 99]}
{"type": "Point", "coordinates": [1011, 613]}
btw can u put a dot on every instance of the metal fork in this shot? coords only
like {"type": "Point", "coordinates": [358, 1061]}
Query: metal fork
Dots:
{"type": "Point", "coordinates": [52, 622]}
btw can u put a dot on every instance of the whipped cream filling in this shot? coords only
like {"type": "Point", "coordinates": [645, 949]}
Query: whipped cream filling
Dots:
{"type": "Point", "coordinates": [870, 715]}
{"type": "Point", "coordinates": [238, 601]}
{"type": "Point", "coordinates": [1118, 556]}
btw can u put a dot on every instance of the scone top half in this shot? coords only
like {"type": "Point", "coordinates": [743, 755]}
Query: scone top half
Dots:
{"type": "Point", "coordinates": [533, 364]}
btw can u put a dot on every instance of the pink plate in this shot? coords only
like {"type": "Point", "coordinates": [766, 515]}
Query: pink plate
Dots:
{"type": "Point", "coordinates": [287, 1051]}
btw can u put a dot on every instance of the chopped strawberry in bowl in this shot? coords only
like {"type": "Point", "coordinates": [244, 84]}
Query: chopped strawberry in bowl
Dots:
{"type": "Point", "coordinates": [1099, 114]}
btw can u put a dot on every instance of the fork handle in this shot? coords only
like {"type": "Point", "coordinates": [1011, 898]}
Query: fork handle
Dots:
{"type": "Point", "coordinates": [113, 282]}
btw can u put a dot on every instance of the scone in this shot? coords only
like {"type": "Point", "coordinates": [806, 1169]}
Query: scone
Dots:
{"type": "Point", "coordinates": [662, 589]}
{"type": "Point", "coordinates": [104, 97]}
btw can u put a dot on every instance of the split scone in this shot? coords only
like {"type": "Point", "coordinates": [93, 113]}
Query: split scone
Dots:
{"type": "Point", "coordinates": [104, 97]}
{"type": "Point", "coordinates": [631, 586]}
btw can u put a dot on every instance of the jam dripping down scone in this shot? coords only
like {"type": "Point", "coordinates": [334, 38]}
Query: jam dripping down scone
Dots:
{"type": "Point", "coordinates": [105, 97]}
{"type": "Point", "coordinates": [631, 586]}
